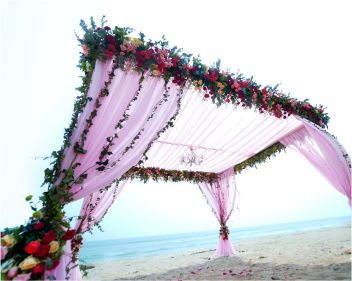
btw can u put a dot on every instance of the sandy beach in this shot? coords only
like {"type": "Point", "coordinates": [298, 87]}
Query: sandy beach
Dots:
{"type": "Point", "coordinates": [323, 254]}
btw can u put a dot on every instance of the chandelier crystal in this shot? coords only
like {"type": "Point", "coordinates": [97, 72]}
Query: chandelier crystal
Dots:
{"type": "Point", "coordinates": [190, 158]}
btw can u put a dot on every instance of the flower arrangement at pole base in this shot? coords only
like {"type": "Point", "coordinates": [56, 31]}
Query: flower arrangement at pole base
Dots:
{"type": "Point", "coordinates": [29, 250]}
{"type": "Point", "coordinates": [224, 232]}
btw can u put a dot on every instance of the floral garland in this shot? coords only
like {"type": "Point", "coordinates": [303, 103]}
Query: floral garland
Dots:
{"type": "Point", "coordinates": [156, 174]}
{"type": "Point", "coordinates": [171, 63]}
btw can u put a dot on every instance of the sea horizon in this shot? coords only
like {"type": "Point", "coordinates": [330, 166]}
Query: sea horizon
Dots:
{"type": "Point", "coordinates": [137, 247]}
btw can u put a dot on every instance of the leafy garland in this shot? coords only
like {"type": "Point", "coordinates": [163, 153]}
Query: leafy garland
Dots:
{"type": "Point", "coordinates": [156, 174]}
{"type": "Point", "coordinates": [260, 157]}
{"type": "Point", "coordinates": [172, 64]}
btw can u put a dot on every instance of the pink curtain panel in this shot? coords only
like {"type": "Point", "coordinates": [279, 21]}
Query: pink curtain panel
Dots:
{"type": "Point", "coordinates": [220, 196]}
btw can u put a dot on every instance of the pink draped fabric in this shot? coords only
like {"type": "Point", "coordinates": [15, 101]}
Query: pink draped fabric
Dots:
{"type": "Point", "coordinates": [223, 136]}
{"type": "Point", "coordinates": [324, 153]}
{"type": "Point", "coordinates": [150, 101]}
{"type": "Point", "coordinates": [96, 205]}
{"type": "Point", "coordinates": [145, 104]}
{"type": "Point", "coordinates": [220, 196]}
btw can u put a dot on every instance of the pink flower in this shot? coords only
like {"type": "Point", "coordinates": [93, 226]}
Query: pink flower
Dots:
{"type": "Point", "coordinates": [23, 277]}
{"type": "Point", "coordinates": [254, 97]}
{"type": "Point", "coordinates": [245, 272]}
{"type": "Point", "coordinates": [85, 50]}
{"type": "Point", "coordinates": [12, 272]}
{"type": "Point", "coordinates": [4, 251]}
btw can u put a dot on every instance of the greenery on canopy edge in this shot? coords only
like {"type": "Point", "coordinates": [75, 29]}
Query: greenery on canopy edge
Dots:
{"type": "Point", "coordinates": [172, 64]}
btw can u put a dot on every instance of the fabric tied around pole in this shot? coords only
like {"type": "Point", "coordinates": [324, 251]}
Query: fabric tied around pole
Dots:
{"type": "Point", "coordinates": [220, 196]}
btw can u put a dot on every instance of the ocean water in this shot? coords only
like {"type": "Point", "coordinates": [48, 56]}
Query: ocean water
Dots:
{"type": "Point", "coordinates": [104, 250]}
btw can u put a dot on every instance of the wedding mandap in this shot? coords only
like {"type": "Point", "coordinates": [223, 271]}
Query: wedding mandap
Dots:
{"type": "Point", "coordinates": [147, 111]}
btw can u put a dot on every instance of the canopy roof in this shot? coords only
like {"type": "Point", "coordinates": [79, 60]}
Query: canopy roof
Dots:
{"type": "Point", "coordinates": [225, 136]}
{"type": "Point", "coordinates": [251, 119]}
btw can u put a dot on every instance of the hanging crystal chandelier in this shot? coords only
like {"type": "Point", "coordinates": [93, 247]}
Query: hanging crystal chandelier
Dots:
{"type": "Point", "coordinates": [190, 158]}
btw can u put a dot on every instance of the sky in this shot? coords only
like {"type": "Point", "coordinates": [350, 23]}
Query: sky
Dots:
{"type": "Point", "coordinates": [303, 45]}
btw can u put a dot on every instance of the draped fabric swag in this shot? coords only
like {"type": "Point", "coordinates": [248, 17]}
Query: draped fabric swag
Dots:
{"type": "Point", "coordinates": [324, 153]}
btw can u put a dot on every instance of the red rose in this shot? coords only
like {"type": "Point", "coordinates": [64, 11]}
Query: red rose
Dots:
{"type": "Point", "coordinates": [38, 226]}
{"type": "Point", "coordinates": [69, 234]}
{"type": "Point", "coordinates": [111, 47]}
{"type": "Point", "coordinates": [39, 269]}
{"type": "Point", "coordinates": [108, 54]}
{"type": "Point", "coordinates": [42, 251]}
{"type": "Point", "coordinates": [107, 28]}
{"type": "Point", "coordinates": [49, 236]}
{"type": "Point", "coordinates": [55, 264]}
{"type": "Point", "coordinates": [306, 106]}
{"type": "Point", "coordinates": [32, 247]}
{"type": "Point", "coordinates": [111, 39]}
{"type": "Point", "coordinates": [174, 61]}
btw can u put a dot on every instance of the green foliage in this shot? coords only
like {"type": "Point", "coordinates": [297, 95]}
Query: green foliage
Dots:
{"type": "Point", "coordinates": [37, 214]}
{"type": "Point", "coordinates": [260, 157]}
{"type": "Point", "coordinates": [84, 268]}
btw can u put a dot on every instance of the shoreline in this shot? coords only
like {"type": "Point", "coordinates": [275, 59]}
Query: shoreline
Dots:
{"type": "Point", "coordinates": [320, 254]}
